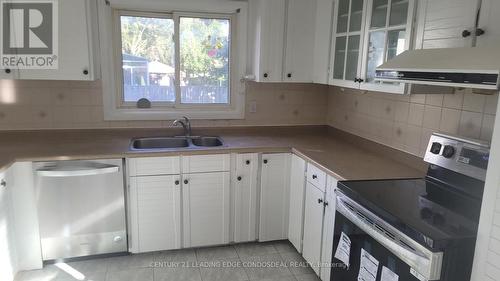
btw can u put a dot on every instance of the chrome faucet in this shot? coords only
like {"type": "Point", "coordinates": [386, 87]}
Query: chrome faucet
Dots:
{"type": "Point", "coordinates": [186, 124]}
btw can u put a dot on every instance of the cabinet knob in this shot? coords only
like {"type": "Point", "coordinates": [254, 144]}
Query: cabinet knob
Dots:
{"type": "Point", "coordinates": [239, 178]}
{"type": "Point", "coordinates": [326, 203]}
{"type": "Point", "coordinates": [177, 182]}
{"type": "Point", "coordinates": [360, 80]}
{"type": "Point", "coordinates": [479, 32]}
{"type": "Point", "coordinates": [466, 33]}
{"type": "Point", "coordinates": [3, 183]}
{"type": "Point", "coordinates": [315, 177]}
{"type": "Point", "coordinates": [7, 70]}
{"type": "Point", "coordinates": [265, 161]}
{"type": "Point", "coordinates": [86, 72]}
{"type": "Point", "coordinates": [247, 162]}
{"type": "Point", "coordinates": [320, 201]}
{"type": "Point", "coordinates": [289, 75]}
{"type": "Point", "coordinates": [266, 75]}
{"type": "Point", "coordinates": [186, 181]}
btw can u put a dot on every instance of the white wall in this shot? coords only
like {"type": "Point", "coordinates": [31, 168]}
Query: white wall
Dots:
{"type": "Point", "coordinates": [487, 257]}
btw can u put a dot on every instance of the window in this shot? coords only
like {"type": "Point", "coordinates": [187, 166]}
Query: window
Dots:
{"type": "Point", "coordinates": [198, 73]}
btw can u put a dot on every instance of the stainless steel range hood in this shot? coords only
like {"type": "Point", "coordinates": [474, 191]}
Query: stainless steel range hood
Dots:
{"type": "Point", "coordinates": [454, 67]}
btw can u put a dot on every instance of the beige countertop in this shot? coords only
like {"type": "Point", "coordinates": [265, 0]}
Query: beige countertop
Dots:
{"type": "Point", "coordinates": [340, 154]}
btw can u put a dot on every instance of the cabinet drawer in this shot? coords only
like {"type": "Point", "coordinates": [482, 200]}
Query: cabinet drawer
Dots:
{"type": "Point", "coordinates": [150, 166]}
{"type": "Point", "coordinates": [205, 163]}
{"type": "Point", "coordinates": [316, 176]}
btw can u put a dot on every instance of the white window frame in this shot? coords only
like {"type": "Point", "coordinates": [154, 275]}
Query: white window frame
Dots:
{"type": "Point", "coordinates": [111, 57]}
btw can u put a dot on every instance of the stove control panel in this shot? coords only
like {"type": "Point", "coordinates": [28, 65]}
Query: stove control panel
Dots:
{"type": "Point", "coordinates": [468, 157]}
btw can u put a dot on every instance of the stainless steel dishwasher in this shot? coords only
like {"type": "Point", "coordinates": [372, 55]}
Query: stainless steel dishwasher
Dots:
{"type": "Point", "coordinates": [81, 208]}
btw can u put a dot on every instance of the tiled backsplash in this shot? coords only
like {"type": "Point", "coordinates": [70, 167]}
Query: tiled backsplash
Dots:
{"type": "Point", "coordinates": [406, 122]}
{"type": "Point", "coordinates": [69, 105]}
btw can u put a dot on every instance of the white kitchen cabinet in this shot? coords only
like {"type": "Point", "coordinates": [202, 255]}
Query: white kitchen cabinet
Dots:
{"type": "Point", "coordinates": [299, 47]}
{"type": "Point", "coordinates": [268, 23]}
{"type": "Point", "coordinates": [367, 33]}
{"type": "Point", "coordinates": [322, 41]}
{"type": "Point", "coordinates": [153, 166]}
{"type": "Point", "coordinates": [489, 21]}
{"type": "Point", "coordinates": [156, 213]}
{"type": "Point", "coordinates": [206, 205]}
{"type": "Point", "coordinates": [8, 253]}
{"type": "Point", "coordinates": [245, 200]}
{"type": "Point", "coordinates": [297, 193]}
{"type": "Point", "coordinates": [442, 23]}
{"type": "Point", "coordinates": [274, 197]}
{"type": "Point", "coordinates": [78, 57]}
{"type": "Point", "coordinates": [8, 74]}
{"type": "Point", "coordinates": [313, 226]}
{"type": "Point", "coordinates": [328, 228]}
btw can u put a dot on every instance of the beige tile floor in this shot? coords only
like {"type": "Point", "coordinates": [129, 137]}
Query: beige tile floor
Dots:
{"type": "Point", "coordinates": [271, 261]}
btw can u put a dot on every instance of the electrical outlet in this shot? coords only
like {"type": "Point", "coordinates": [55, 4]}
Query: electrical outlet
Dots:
{"type": "Point", "coordinates": [253, 107]}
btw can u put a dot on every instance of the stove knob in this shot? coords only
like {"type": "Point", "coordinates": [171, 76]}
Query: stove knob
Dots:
{"type": "Point", "coordinates": [436, 148]}
{"type": "Point", "coordinates": [448, 151]}
{"type": "Point", "coordinates": [426, 213]}
{"type": "Point", "coordinates": [438, 219]}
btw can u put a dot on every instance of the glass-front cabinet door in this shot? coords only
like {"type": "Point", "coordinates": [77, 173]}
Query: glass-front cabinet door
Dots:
{"type": "Point", "coordinates": [388, 33]}
{"type": "Point", "coordinates": [349, 24]}
{"type": "Point", "coordinates": [367, 33]}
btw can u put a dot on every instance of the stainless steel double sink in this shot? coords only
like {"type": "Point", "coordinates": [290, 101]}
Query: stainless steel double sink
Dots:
{"type": "Point", "coordinates": [165, 143]}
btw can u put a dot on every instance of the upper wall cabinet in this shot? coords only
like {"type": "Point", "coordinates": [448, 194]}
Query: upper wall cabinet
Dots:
{"type": "Point", "coordinates": [283, 40]}
{"type": "Point", "coordinates": [489, 21]}
{"type": "Point", "coordinates": [447, 23]}
{"type": "Point", "coordinates": [367, 33]}
{"type": "Point", "coordinates": [78, 57]}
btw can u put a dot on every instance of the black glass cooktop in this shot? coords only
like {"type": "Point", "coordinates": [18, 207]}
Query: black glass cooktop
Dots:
{"type": "Point", "coordinates": [426, 210]}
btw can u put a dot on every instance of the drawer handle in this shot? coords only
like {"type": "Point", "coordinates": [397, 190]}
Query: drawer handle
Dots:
{"type": "Point", "coordinates": [186, 181]}
{"type": "Point", "coordinates": [315, 177]}
{"type": "Point", "coordinates": [265, 161]}
{"type": "Point", "coordinates": [239, 178]}
{"type": "Point", "coordinates": [177, 182]}
{"type": "Point", "coordinates": [3, 183]}
{"type": "Point", "coordinates": [248, 162]}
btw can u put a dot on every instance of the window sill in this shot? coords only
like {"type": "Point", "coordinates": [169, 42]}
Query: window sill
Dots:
{"type": "Point", "coordinates": [118, 114]}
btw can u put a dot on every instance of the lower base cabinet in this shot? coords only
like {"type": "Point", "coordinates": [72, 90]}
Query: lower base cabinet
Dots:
{"type": "Point", "coordinates": [297, 191]}
{"type": "Point", "coordinates": [313, 226]}
{"type": "Point", "coordinates": [274, 197]}
{"type": "Point", "coordinates": [328, 228]}
{"type": "Point", "coordinates": [156, 215]}
{"type": "Point", "coordinates": [206, 205]}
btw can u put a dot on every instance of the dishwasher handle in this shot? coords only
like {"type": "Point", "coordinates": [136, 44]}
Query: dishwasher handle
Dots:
{"type": "Point", "coordinates": [77, 169]}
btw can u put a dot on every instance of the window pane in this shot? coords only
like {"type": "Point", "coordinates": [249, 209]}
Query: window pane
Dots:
{"type": "Point", "coordinates": [376, 47]}
{"type": "Point", "coordinates": [379, 13]}
{"type": "Point", "coordinates": [338, 65]}
{"type": "Point", "coordinates": [356, 15]}
{"type": "Point", "coordinates": [205, 51]}
{"type": "Point", "coordinates": [343, 16]}
{"type": "Point", "coordinates": [148, 52]}
{"type": "Point", "coordinates": [399, 12]}
{"type": "Point", "coordinates": [396, 43]}
{"type": "Point", "coordinates": [351, 69]}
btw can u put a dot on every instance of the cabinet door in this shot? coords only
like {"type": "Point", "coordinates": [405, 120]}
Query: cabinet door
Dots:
{"type": "Point", "coordinates": [297, 190]}
{"type": "Point", "coordinates": [299, 41]}
{"type": "Point", "coordinates": [388, 34]}
{"type": "Point", "coordinates": [270, 32]}
{"type": "Point", "coordinates": [489, 21]}
{"type": "Point", "coordinates": [313, 226]}
{"type": "Point", "coordinates": [206, 209]}
{"type": "Point", "coordinates": [322, 41]}
{"type": "Point", "coordinates": [348, 30]}
{"type": "Point", "coordinates": [442, 23]}
{"type": "Point", "coordinates": [274, 197]}
{"type": "Point", "coordinates": [328, 228]}
{"type": "Point", "coordinates": [77, 47]}
{"type": "Point", "coordinates": [8, 254]}
{"type": "Point", "coordinates": [155, 203]}
{"type": "Point", "coordinates": [245, 197]}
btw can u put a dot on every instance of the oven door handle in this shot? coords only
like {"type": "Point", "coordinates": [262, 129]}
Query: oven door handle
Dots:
{"type": "Point", "coordinates": [426, 263]}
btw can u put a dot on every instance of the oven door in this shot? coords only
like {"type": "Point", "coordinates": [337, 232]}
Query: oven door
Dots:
{"type": "Point", "coordinates": [403, 256]}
